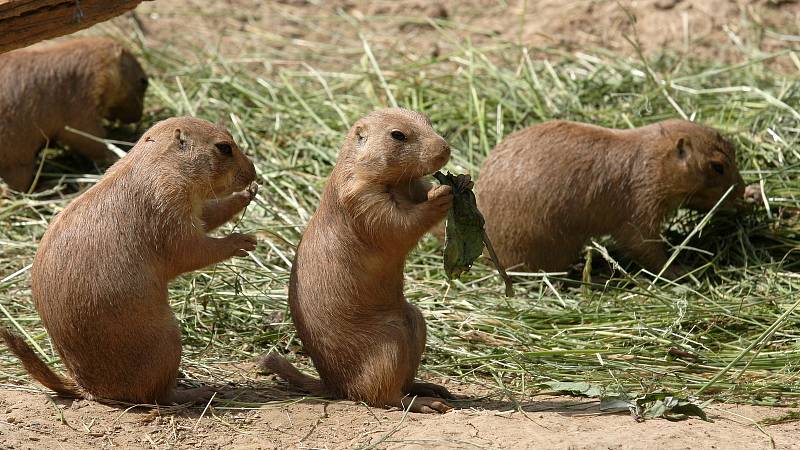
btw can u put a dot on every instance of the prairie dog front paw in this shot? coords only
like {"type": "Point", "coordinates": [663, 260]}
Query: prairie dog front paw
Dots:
{"type": "Point", "coordinates": [440, 191]}
{"type": "Point", "coordinates": [251, 190]}
{"type": "Point", "coordinates": [248, 194]}
{"type": "Point", "coordinates": [440, 199]}
{"type": "Point", "coordinates": [241, 243]}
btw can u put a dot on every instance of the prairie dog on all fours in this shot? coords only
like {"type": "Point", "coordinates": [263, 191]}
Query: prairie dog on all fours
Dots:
{"type": "Point", "coordinates": [346, 285]}
{"type": "Point", "coordinates": [546, 189]}
{"type": "Point", "coordinates": [99, 278]}
{"type": "Point", "coordinates": [75, 83]}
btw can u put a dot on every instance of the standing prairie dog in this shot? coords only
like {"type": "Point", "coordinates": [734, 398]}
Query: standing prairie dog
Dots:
{"type": "Point", "coordinates": [76, 83]}
{"type": "Point", "coordinates": [346, 285]}
{"type": "Point", "coordinates": [100, 275]}
{"type": "Point", "coordinates": [546, 189]}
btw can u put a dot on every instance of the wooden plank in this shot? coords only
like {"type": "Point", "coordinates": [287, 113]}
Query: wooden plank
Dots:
{"type": "Point", "coordinates": [10, 8]}
{"type": "Point", "coordinates": [24, 22]}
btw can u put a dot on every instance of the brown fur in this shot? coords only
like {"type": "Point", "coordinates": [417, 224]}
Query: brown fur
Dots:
{"type": "Point", "coordinates": [546, 189]}
{"type": "Point", "coordinates": [100, 275]}
{"type": "Point", "coordinates": [346, 286]}
{"type": "Point", "coordinates": [75, 83]}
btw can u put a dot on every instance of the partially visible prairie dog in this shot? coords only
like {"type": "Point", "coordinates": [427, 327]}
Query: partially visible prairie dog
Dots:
{"type": "Point", "coordinates": [100, 275]}
{"type": "Point", "coordinates": [546, 189]}
{"type": "Point", "coordinates": [75, 83]}
{"type": "Point", "coordinates": [346, 286]}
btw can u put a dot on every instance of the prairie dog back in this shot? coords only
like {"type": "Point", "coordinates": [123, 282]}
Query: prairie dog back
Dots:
{"type": "Point", "coordinates": [75, 84]}
{"type": "Point", "coordinates": [546, 189]}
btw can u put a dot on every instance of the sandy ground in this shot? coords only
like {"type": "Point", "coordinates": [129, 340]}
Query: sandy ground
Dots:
{"type": "Point", "coordinates": [31, 420]}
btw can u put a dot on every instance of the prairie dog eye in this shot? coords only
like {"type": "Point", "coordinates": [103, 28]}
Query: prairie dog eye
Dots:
{"type": "Point", "coordinates": [718, 167]}
{"type": "Point", "coordinates": [398, 135]}
{"type": "Point", "coordinates": [143, 82]}
{"type": "Point", "coordinates": [225, 149]}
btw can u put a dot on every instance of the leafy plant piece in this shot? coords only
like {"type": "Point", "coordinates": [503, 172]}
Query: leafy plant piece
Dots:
{"type": "Point", "coordinates": [463, 242]}
{"type": "Point", "coordinates": [648, 406]}
{"type": "Point", "coordinates": [465, 235]}
{"type": "Point", "coordinates": [791, 416]}
{"type": "Point", "coordinates": [578, 388]}
{"type": "Point", "coordinates": [668, 406]}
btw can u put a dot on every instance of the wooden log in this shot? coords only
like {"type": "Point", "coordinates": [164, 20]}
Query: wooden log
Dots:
{"type": "Point", "coordinates": [24, 22]}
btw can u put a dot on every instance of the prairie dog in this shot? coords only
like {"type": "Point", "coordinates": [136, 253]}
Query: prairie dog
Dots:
{"type": "Point", "coordinates": [546, 189]}
{"type": "Point", "coordinates": [346, 285]}
{"type": "Point", "coordinates": [75, 83]}
{"type": "Point", "coordinates": [100, 275]}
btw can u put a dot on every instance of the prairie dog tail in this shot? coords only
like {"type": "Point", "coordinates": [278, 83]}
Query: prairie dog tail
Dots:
{"type": "Point", "coordinates": [37, 368]}
{"type": "Point", "coordinates": [289, 373]}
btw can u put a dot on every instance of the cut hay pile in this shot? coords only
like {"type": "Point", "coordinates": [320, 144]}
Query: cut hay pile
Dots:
{"type": "Point", "coordinates": [729, 331]}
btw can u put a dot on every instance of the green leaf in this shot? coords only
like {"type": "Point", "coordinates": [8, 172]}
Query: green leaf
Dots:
{"type": "Point", "coordinates": [615, 403]}
{"type": "Point", "coordinates": [576, 388]}
{"type": "Point", "coordinates": [667, 406]}
{"type": "Point", "coordinates": [463, 242]}
{"type": "Point", "coordinates": [465, 236]}
{"type": "Point", "coordinates": [649, 406]}
{"type": "Point", "coordinates": [688, 409]}
{"type": "Point", "coordinates": [791, 416]}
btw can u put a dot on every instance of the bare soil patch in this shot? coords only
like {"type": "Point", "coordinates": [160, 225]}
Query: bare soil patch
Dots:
{"type": "Point", "coordinates": [328, 33]}
{"type": "Point", "coordinates": [30, 420]}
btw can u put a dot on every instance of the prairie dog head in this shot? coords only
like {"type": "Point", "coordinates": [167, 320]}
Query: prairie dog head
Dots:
{"type": "Point", "coordinates": [124, 85]}
{"type": "Point", "coordinates": [701, 164]}
{"type": "Point", "coordinates": [205, 154]}
{"type": "Point", "coordinates": [395, 145]}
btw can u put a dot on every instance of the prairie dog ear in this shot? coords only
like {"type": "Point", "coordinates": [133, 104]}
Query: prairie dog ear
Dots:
{"type": "Point", "coordinates": [180, 138]}
{"type": "Point", "coordinates": [360, 133]}
{"type": "Point", "coordinates": [682, 148]}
